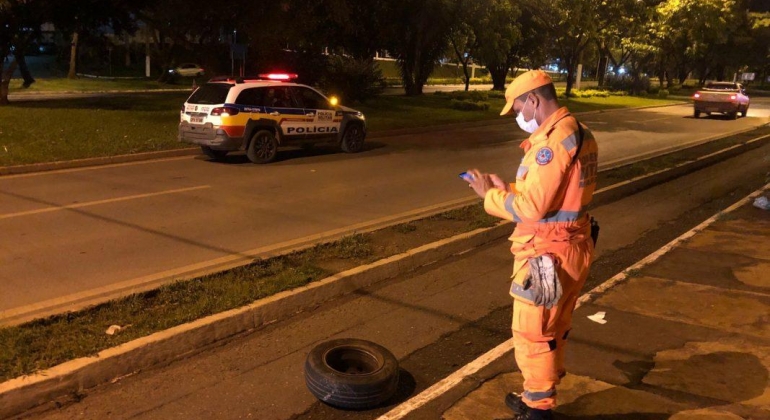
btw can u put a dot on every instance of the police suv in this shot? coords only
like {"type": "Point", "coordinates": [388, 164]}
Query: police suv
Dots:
{"type": "Point", "coordinates": [259, 115]}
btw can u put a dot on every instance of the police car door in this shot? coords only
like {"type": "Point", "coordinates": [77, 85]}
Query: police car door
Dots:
{"type": "Point", "coordinates": [283, 108]}
{"type": "Point", "coordinates": [323, 121]}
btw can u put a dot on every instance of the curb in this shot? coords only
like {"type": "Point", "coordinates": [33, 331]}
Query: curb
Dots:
{"type": "Point", "coordinates": [471, 376]}
{"type": "Point", "coordinates": [138, 157]}
{"type": "Point", "coordinates": [24, 393]}
{"type": "Point", "coordinates": [100, 161]}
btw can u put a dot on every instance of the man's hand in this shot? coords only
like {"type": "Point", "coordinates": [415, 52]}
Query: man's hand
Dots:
{"type": "Point", "coordinates": [498, 183]}
{"type": "Point", "coordinates": [481, 183]}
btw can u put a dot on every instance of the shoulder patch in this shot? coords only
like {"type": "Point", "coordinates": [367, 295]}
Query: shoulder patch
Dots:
{"type": "Point", "coordinates": [544, 156]}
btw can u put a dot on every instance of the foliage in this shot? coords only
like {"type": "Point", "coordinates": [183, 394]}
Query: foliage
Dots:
{"type": "Point", "coordinates": [626, 83]}
{"type": "Point", "coordinates": [501, 44]}
{"type": "Point", "coordinates": [355, 80]}
{"type": "Point", "coordinates": [416, 34]}
{"type": "Point", "coordinates": [663, 93]}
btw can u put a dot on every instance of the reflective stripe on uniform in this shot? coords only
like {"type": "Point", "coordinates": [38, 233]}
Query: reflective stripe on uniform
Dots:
{"type": "Point", "coordinates": [509, 207]}
{"type": "Point", "coordinates": [561, 216]}
{"type": "Point", "coordinates": [535, 396]}
{"type": "Point", "coordinates": [570, 142]}
{"type": "Point", "coordinates": [522, 171]}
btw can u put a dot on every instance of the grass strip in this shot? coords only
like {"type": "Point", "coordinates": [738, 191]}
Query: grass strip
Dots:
{"type": "Point", "coordinates": [43, 343]}
{"type": "Point", "coordinates": [56, 130]}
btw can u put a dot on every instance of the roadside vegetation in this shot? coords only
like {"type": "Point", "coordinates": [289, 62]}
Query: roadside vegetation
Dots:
{"type": "Point", "coordinates": [41, 344]}
{"type": "Point", "coordinates": [58, 130]}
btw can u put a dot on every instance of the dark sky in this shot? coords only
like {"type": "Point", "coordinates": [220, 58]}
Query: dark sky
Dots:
{"type": "Point", "coordinates": [759, 5]}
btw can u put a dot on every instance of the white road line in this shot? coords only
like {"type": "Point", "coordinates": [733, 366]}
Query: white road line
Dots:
{"type": "Point", "coordinates": [629, 181]}
{"type": "Point", "coordinates": [94, 168]}
{"type": "Point", "coordinates": [458, 376]}
{"type": "Point", "coordinates": [147, 282]}
{"type": "Point", "coordinates": [658, 119]}
{"type": "Point", "coordinates": [98, 202]}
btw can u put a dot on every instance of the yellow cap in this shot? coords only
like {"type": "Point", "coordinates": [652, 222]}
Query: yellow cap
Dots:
{"type": "Point", "coordinates": [526, 82]}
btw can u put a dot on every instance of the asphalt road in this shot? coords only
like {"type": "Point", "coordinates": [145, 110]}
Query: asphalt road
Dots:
{"type": "Point", "coordinates": [77, 236]}
{"type": "Point", "coordinates": [435, 320]}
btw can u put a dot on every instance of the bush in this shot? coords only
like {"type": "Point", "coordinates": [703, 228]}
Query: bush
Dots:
{"type": "Point", "coordinates": [663, 93]}
{"type": "Point", "coordinates": [674, 88]}
{"type": "Point", "coordinates": [354, 80]}
{"type": "Point", "coordinates": [626, 83]}
{"type": "Point", "coordinates": [653, 90]}
{"type": "Point", "coordinates": [468, 105]}
{"type": "Point", "coordinates": [471, 95]}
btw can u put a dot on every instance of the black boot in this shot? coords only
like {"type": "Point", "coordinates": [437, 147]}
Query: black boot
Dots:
{"type": "Point", "coordinates": [523, 411]}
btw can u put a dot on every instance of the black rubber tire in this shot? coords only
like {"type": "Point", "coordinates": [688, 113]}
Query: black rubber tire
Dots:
{"type": "Point", "coordinates": [696, 113]}
{"type": "Point", "coordinates": [745, 111]}
{"type": "Point", "coordinates": [733, 115]}
{"type": "Point", "coordinates": [214, 154]}
{"type": "Point", "coordinates": [352, 374]}
{"type": "Point", "coordinates": [353, 139]}
{"type": "Point", "coordinates": [263, 147]}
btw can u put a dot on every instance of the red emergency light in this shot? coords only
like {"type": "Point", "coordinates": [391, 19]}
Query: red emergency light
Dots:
{"type": "Point", "coordinates": [278, 76]}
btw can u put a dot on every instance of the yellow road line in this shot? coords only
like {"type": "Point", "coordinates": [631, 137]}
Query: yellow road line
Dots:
{"type": "Point", "coordinates": [98, 202]}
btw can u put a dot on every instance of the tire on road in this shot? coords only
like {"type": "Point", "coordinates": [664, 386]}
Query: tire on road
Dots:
{"type": "Point", "coordinates": [350, 373]}
{"type": "Point", "coordinates": [733, 115]}
{"type": "Point", "coordinates": [353, 138]}
{"type": "Point", "coordinates": [745, 111]}
{"type": "Point", "coordinates": [263, 147]}
{"type": "Point", "coordinates": [696, 113]}
{"type": "Point", "coordinates": [214, 154]}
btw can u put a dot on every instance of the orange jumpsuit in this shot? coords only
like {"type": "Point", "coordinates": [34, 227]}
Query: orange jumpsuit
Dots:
{"type": "Point", "coordinates": [548, 205]}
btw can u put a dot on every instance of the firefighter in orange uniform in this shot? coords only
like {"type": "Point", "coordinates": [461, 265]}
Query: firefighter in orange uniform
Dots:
{"type": "Point", "coordinates": [552, 242]}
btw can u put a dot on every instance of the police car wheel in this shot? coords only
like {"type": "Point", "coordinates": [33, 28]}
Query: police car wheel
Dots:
{"type": "Point", "coordinates": [263, 147]}
{"type": "Point", "coordinates": [351, 373]}
{"type": "Point", "coordinates": [213, 154]}
{"type": "Point", "coordinates": [353, 139]}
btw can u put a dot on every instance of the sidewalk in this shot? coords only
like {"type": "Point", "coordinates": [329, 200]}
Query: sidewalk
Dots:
{"type": "Point", "coordinates": [687, 337]}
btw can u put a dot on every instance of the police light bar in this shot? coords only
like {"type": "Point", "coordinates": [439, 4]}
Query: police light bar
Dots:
{"type": "Point", "coordinates": [278, 76]}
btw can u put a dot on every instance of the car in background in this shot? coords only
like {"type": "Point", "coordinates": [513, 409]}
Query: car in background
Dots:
{"type": "Point", "coordinates": [188, 70]}
{"type": "Point", "coordinates": [727, 98]}
{"type": "Point", "coordinates": [260, 115]}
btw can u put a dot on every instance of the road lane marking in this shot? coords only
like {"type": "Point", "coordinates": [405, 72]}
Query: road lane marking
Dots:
{"type": "Point", "coordinates": [98, 202]}
{"type": "Point", "coordinates": [446, 384]}
{"type": "Point", "coordinates": [658, 119]}
{"type": "Point", "coordinates": [94, 168]}
{"type": "Point", "coordinates": [233, 259]}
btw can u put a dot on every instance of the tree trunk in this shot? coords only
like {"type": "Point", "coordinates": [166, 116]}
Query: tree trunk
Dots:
{"type": "Point", "coordinates": [73, 57]}
{"type": "Point", "coordinates": [25, 74]}
{"type": "Point", "coordinates": [498, 72]}
{"type": "Point", "coordinates": [5, 81]}
{"type": "Point", "coordinates": [570, 76]}
{"type": "Point", "coordinates": [467, 76]}
{"type": "Point", "coordinates": [602, 71]}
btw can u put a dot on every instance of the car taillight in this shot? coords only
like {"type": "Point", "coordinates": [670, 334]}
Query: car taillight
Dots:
{"type": "Point", "coordinates": [733, 97]}
{"type": "Point", "coordinates": [224, 111]}
{"type": "Point", "coordinates": [697, 95]}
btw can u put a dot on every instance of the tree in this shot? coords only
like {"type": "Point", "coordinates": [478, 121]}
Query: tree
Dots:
{"type": "Point", "coordinates": [500, 41]}
{"type": "Point", "coordinates": [76, 18]}
{"type": "Point", "coordinates": [416, 34]}
{"type": "Point", "coordinates": [716, 34]}
{"type": "Point", "coordinates": [571, 25]}
{"type": "Point", "coordinates": [465, 18]}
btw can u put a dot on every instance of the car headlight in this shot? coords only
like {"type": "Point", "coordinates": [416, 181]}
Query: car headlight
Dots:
{"type": "Point", "coordinates": [171, 71]}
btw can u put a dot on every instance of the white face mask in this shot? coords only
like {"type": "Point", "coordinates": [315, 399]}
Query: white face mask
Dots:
{"type": "Point", "coordinates": [528, 126]}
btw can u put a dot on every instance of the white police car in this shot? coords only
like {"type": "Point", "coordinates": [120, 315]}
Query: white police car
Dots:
{"type": "Point", "coordinates": [259, 115]}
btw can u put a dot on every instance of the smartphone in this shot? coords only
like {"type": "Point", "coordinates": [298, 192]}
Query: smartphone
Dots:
{"type": "Point", "coordinates": [466, 176]}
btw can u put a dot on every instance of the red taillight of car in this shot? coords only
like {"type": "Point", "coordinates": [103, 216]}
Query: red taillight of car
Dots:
{"type": "Point", "coordinates": [733, 97]}
{"type": "Point", "coordinates": [696, 96]}
{"type": "Point", "coordinates": [224, 111]}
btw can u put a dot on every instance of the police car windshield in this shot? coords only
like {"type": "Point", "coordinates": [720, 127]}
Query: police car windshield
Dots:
{"type": "Point", "coordinates": [210, 94]}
